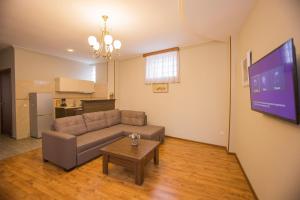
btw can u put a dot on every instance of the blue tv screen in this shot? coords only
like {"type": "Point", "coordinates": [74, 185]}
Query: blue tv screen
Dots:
{"type": "Point", "coordinates": [274, 84]}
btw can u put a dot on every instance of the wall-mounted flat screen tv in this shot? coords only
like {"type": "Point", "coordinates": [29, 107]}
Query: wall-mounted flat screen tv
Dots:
{"type": "Point", "coordinates": [274, 83]}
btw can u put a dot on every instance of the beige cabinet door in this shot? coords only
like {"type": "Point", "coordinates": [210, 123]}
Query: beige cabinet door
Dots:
{"type": "Point", "coordinates": [73, 85]}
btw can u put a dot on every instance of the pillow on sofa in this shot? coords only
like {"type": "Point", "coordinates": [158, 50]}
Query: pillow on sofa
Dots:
{"type": "Point", "coordinates": [73, 125]}
{"type": "Point", "coordinates": [95, 121]}
{"type": "Point", "coordinates": [113, 117]}
{"type": "Point", "coordinates": [135, 118]}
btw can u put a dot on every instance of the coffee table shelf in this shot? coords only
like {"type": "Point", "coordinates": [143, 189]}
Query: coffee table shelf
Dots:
{"type": "Point", "coordinates": [135, 158]}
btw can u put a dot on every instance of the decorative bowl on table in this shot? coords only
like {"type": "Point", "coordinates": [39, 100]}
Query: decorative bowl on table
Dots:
{"type": "Point", "coordinates": [135, 139]}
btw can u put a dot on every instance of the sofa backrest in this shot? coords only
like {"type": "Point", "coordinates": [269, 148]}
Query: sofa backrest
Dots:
{"type": "Point", "coordinates": [135, 118]}
{"type": "Point", "coordinates": [95, 121]}
{"type": "Point", "coordinates": [73, 125]}
{"type": "Point", "coordinates": [113, 117]}
{"type": "Point", "coordinates": [80, 124]}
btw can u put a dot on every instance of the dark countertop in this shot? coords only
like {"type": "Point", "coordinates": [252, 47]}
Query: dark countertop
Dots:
{"type": "Point", "coordinates": [89, 100]}
{"type": "Point", "coordinates": [69, 107]}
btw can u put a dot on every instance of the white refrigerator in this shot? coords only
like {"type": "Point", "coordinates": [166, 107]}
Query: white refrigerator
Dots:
{"type": "Point", "coordinates": [41, 113]}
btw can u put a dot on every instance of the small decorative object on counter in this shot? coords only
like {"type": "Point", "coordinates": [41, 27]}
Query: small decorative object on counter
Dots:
{"type": "Point", "coordinates": [63, 102]}
{"type": "Point", "coordinates": [57, 102]}
{"type": "Point", "coordinates": [135, 139]}
{"type": "Point", "coordinates": [111, 95]}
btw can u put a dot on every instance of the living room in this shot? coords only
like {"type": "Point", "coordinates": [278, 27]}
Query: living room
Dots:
{"type": "Point", "coordinates": [121, 131]}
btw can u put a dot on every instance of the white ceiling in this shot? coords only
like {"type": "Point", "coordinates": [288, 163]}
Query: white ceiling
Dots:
{"type": "Point", "coordinates": [52, 26]}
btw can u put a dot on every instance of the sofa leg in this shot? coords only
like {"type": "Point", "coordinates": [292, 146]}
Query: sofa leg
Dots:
{"type": "Point", "coordinates": [68, 170]}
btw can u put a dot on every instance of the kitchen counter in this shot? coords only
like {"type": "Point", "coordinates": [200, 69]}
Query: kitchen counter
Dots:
{"type": "Point", "coordinates": [69, 107]}
{"type": "Point", "coordinates": [95, 105]}
{"type": "Point", "coordinates": [89, 100]}
{"type": "Point", "coordinates": [65, 111]}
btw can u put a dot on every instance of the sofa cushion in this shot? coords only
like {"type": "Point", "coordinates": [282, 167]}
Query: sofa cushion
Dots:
{"type": "Point", "coordinates": [73, 125]}
{"type": "Point", "coordinates": [95, 121]}
{"type": "Point", "coordinates": [135, 118]}
{"type": "Point", "coordinates": [113, 117]}
{"type": "Point", "coordinates": [95, 138]}
{"type": "Point", "coordinates": [147, 132]}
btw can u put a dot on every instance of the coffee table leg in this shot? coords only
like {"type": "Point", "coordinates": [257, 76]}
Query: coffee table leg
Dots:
{"type": "Point", "coordinates": [139, 173]}
{"type": "Point", "coordinates": [105, 164]}
{"type": "Point", "coordinates": [156, 156]}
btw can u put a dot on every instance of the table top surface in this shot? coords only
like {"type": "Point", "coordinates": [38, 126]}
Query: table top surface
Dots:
{"type": "Point", "coordinates": [123, 148]}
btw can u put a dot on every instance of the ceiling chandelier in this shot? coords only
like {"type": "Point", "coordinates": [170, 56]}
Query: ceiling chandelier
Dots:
{"type": "Point", "coordinates": [105, 46]}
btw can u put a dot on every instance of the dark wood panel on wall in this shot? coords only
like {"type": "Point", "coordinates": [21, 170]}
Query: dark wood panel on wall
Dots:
{"type": "Point", "coordinates": [98, 105]}
{"type": "Point", "coordinates": [68, 111]}
{"type": "Point", "coordinates": [5, 102]}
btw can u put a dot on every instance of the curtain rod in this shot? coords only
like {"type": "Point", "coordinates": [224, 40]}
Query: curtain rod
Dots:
{"type": "Point", "coordinates": [161, 51]}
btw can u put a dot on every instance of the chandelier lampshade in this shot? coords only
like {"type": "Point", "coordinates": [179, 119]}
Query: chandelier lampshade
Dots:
{"type": "Point", "coordinates": [117, 44]}
{"type": "Point", "coordinates": [96, 46]}
{"type": "Point", "coordinates": [92, 40]}
{"type": "Point", "coordinates": [105, 45]}
{"type": "Point", "coordinates": [108, 39]}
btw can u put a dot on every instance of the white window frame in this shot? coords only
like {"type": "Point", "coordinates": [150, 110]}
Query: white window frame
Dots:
{"type": "Point", "coordinates": [162, 67]}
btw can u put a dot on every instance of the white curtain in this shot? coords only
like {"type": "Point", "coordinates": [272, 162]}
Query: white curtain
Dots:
{"type": "Point", "coordinates": [162, 68]}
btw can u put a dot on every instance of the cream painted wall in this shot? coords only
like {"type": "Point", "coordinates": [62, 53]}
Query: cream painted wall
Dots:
{"type": "Point", "coordinates": [268, 148]}
{"type": "Point", "coordinates": [101, 73]}
{"type": "Point", "coordinates": [197, 107]}
{"type": "Point", "coordinates": [111, 78]}
{"type": "Point", "coordinates": [35, 72]}
{"type": "Point", "coordinates": [105, 75]}
{"type": "Point", "coordinates": [47, 67]}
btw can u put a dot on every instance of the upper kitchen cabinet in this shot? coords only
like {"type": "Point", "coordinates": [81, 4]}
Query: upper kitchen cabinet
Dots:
{"type": "Point", "coordinates": [74, 85]}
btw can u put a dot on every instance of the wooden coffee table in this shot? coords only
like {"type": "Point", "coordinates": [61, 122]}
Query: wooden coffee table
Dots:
{"type": "Point", "coordinates": [132, 157]}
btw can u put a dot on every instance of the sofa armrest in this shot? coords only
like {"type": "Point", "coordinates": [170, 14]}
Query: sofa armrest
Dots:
{"type": "Point", "coordinates": [60, 148]}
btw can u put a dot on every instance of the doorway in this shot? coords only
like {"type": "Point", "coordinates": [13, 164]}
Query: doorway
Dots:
{"type": "Point", "coordinates": [6, 102]}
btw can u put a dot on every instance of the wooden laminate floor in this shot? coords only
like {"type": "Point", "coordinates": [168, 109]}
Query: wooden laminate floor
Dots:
{"type": "Point", "coordinates": [187, 170]}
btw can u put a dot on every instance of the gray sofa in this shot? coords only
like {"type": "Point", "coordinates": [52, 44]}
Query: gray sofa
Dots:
{"type": "Point", "coordinates": [77, 139]}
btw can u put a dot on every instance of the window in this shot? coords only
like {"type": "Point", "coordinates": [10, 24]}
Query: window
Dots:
{"type": "Point", "coordinates": [162, 68]}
